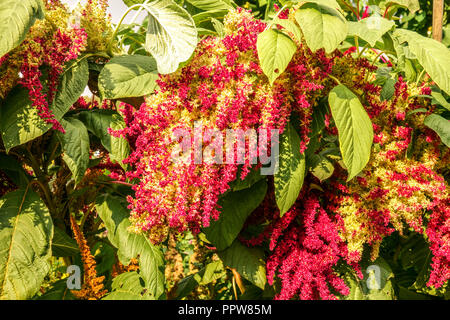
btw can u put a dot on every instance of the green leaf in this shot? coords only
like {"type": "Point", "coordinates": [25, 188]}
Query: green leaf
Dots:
{"type": "Point", "coordinates": [377, 273]}
{"type": "Point", "coordinates": [14, 170]}
{"type": "Point", "coordinates": [26, 232]}
{"type": "Point", "coordinates": [439, 125]}
{"type": "Point", "coordinates": [388, 90]}
{"type": "Point", "coordinates": [318, 119]}
{"type": "Point", "coordinates": [128, 286]}
{"type": "Point", "coordinates": [411, 5]}
{"type": "Point", "coordinates": [151, 262]}
{"type": "Point", "coordinates": [288, 180]}
{"type": "Point", "coordinates": [438, 98]}
{"type": "Point", "coordinates": [252, 177]}
{"type": "Point", "coordinates": [354, 128]}
{"type": "Point", "coordinates": [75, 145]}
{"type": "Point", "coordinates": [21, 121]}
{"type": "Point", "coordinates": [248, 262]}
{"type": "Point", "coordinates": [97, 122]}
{"type": "Point", "coordinates": [63, 245]}
{"type": "Point", "coordinates": [171, 36]}
{"type": "Point", "coordinates": [211, 4]}
{"type": "Point", "coordinates": [289, 26]}
{"type": "Point", "coordinates": [275, 51]}
{"type": "Point", "coordinates": [16, 18]}
{"type": "Point", "coordinates": [322, 27]}
{"type": "Point", "coordinates": [320, 167]}
{"type": "Point", "coordinates": [233, 214]}
{"type": "Point", "coordinates": [58, 291]}
{"type": "Point", "coordinates": [370, 29]}
{"type": "Point", "coordinates": [128, 76]}
{"type": "Point", "coordinates": [208, 274]}
{"type": "Point", "coordinates": [431, 54]}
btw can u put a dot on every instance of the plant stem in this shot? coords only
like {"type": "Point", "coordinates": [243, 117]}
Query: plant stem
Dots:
{"type": "Point", "coordinates": [419, 78]}
{"type": "Point", "coordinates": [352, 9]}
{"type": "Point", "coordinates": [334, 79]}
{"type": "Point", "coordinates": [276, 16]}
{"type": "Point", "coordinates": [120, 23]}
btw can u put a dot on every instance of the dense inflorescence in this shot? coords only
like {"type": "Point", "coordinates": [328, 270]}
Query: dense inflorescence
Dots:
{"type": "Point", "coordinates": [51, 43]}
{"type": "Point", "coordinates": [223, 87]}
{"type": "Point", "coordinates": [92, 288]}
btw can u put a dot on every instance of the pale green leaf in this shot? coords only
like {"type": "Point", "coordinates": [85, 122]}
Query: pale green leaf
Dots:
{"type": "Point", "coordinates": [128, 76]}
{"type": "Point", "coordinates": [211, 4]}
{"type": "Point", "coordinates": [411, 5]}
{"type": "Point", "coordinates": [370, 29]}
{"type": "Point", "coordinates": [16, 18]}
{"type": "Point", "coordinates": [438, 98]}
{"type": "Point", "coordinates": [322, 27]}
{"type": "Point", "coordinates": [431, 54]}
{"type": "Point", "coordinates": [26, 232]}
{"type": "Point", "coordinates": [290, 27]}
{"type": "Point", "coordinates": [354, 128]}
{"type": "Point", "coordinates": [275, 51]}
{"type": "Point", "coordinates": [171, 35]}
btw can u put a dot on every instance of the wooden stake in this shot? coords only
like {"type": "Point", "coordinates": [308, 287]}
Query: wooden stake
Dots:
{"type": "Point", "coordinates": [438, 14]}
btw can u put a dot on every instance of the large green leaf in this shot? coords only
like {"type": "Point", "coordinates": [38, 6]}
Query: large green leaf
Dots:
{"type": "Point", "coordinates": [440, 125]}
{"type": "Point", "coordinates": [211, 4]}
{"type": "Point", "coordinates": [20, 121]}
{"type": "Point", "coordinates": [151, 262]}
{"type": "Point", "coordinates": [322, 26]}
{"type": "Point", "coordinates": [289, 26]}
{"type": "Point", "coordinates": [128, 286]}
{"type": "Point", "coordinates": [248, 262]}
{"type": "Point", "coordinates": [234, 212]}
{"type": "Point", "coordinates": [439, 99]}
{"type": "Point", "coordinates": [26, 232]}
{"type": "Point", "coordinates": [275, 51]}
{"type": "Point", "coordinates": [128, 76]}
{"type": "Point", "coordinates": [354, 128]}
{"type": "Point", "coordinates": [16, 18]}
{"type": "Point", "coordinates": [75, 145]}
{"type": "Point", "coordinates": [63, 245]}
{"type": "Point", "coordinates": [97, 122]}
{"type": "Point", "coordinates": [411, 5]}
{"type": "Point", "coordinates": [370, 29]}
{"type": "Point", "coordinates": [432, 55]}
{"type": "Point", "coordinates": [171, 35]}
{"type": "Point", "coordinates": [288, 180]}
